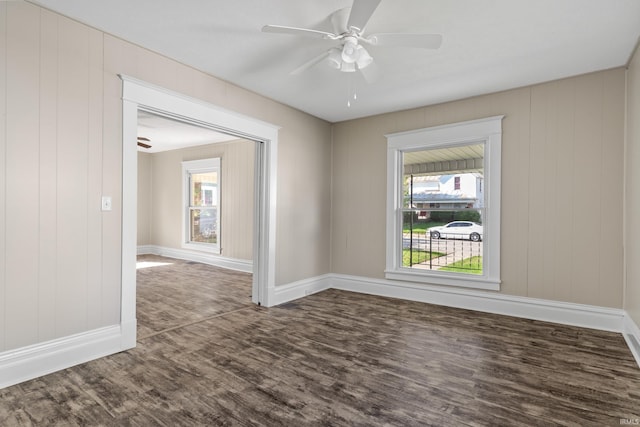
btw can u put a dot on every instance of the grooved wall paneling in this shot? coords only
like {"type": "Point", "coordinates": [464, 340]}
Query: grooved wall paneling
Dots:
{"type": "Point", "coordinates": [22, 187]}
{"type": "Point", "coordinates": [632, 191]}
{"type": "Point", "coordinates": [145, 189]}
{"type": "Point", "coordinates": [72, 188]}
{"type": "Point", "coordinates": [94, 181]}
{"type": "Point", "coordinates": [3, 171]}
{"type": "Point", "coordinates": [48, 169]}
{"type": "Point", "coordinates": [562, 181]}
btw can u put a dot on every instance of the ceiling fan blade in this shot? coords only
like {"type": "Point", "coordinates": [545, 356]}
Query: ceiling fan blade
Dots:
{"type": "Point", "coordinates": [298, 32]}
{"type": "Point", "coordinates": [361, 11]}
{"type": "Point", "coordinates": [143, 145]}
{"type": "Point", "coordinates": [424, 41]}
{"type": "Point", "coordinates": [339, 20]}
{"type": "Point", "coordinates": [310, 63]}
{"type": "Point", "coordinates": [142, 138]}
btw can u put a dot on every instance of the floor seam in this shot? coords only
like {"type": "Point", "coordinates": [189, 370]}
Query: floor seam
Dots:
{"type": "Point", "coordinates": [184, 325]}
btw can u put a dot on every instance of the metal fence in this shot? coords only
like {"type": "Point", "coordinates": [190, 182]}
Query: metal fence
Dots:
{"type": "Point", "coordinates": [455, 254]}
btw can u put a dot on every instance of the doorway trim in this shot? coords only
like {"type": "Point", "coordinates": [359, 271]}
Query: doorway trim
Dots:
{"type": "Point", "coordinates": [137, 94]}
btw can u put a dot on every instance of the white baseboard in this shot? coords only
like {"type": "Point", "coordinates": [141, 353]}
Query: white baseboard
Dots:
{"type": "Point", "coordinates": [582, 315]}
{"type": "Point", "coordinates": [202, 257]}
{"type": "Point", "coordinates": [631, 334]}
{"type": "Point", "coordinates": [145, 250]}
{"type": "Point", "coordinates": [33, 361]}
{"type": "Point", "coordinates": [586, 316]}
{"type": "Point", "coordinates": [40, 359]}
{"type": "Point", "coordinates": [299, 289]}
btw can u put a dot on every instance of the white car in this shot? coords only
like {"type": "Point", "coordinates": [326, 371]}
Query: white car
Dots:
{"type": "Point", "coordinates": [457, 230]}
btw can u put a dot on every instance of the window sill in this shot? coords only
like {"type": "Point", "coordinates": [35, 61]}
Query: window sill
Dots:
{"type": "Point", "coordinates": [449, 279]}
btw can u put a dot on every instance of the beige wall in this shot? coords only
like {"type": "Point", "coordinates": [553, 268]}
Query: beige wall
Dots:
{"type": "Point", "coordinates": [163, 226]}
{"type": "Point", "coordinates": [632, 194]}
{"type": "Point", "coordinates": [60, 254]}
{"type": "Point", "coordinates": [145, 188]}
{"type": "Point", "coordinates": [562, 180]}
{"type": "Point", "coordinates": [60, 150]}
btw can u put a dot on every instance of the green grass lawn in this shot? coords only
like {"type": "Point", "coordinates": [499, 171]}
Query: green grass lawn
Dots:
{"type": "Point", "coordinates": [418, 256]}
{"type": "Point", "coordinates": [471, 265]}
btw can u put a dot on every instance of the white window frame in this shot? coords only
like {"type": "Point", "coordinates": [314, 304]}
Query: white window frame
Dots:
{"type": "Point", "coordinates": [188, 168]}
{"type": "Point", "coordinates": [487, 131]}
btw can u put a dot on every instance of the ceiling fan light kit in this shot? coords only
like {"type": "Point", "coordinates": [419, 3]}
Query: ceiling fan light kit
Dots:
{"type": "Point", "coordinates": [349, 49]}
{"type": "Point", "coordinates": [349, 25]}
{"type": "Point", "coordinates": [348, 68]}
{"type": "Point", "coordinates": [363, 58]}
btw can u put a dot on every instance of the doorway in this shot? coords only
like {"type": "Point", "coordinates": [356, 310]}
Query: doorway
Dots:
{"type": "Point", "coordinates": [195, 223]}
{"type": "Point", "coordinates": [138, 95]}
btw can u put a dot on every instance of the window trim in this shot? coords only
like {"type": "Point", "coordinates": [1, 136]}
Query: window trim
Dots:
{"type": "Point", "coordinates": [199, 166]}
{"type": "Point", "coordinates": [487, 131]}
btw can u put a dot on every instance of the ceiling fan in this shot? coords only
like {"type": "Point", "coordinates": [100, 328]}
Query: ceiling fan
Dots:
{"type": "Point", "coordinates": [143, 144]}
{"type": "Point", "coordinates": [349, 54]}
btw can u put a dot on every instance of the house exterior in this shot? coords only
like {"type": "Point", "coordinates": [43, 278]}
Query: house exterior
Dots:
{"type": "Point", "coordinates": [456, 191]}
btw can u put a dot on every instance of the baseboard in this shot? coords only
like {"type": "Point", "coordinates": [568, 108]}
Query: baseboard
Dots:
{"type": "Point", "coordinates": [586, 316]}
{"type": "Point", "coordinates": [40, 359]}
{"type": "Point", "coordinates": [299, 289]}
{"type": "Point", "coordinates": [145, 250]}
{"type": "Point", "coordinates": [195, 256]}
{"type": "Point", "coordinates": [631, 334]}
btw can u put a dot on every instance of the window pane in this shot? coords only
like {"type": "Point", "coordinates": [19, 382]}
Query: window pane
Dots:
{"type": "Point", "coordinates": [443, 203]}
{"type": "Point", "coordinates": [203, 189]}
{"type": "Point", "coordinates": [201, 183]}
{"type": "Point", "coordinates": [430, 244]}
{"type": "Point", "coordinates": [203, 224]}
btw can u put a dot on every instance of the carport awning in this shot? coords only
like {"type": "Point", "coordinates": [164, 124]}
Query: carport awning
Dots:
{"type": "Point", "coordinates": [445, 161]}
{"type": "Point", "coordinates": [445, 167]}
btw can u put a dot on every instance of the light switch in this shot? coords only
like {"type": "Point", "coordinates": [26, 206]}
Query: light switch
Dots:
{"type": "Point", "coordinates": [106, 203]}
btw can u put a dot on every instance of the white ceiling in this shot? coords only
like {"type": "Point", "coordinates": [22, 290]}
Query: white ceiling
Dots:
{"type": "Point", "coordinates": [166, 134]}
{"type": "Point", "coordinates": [488, 45]}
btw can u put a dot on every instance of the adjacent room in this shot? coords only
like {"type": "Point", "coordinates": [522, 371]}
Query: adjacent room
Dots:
{"type": "Point", "coordinates": [195, 193]}
{"type": "Point", "coordinates": [347, 212]}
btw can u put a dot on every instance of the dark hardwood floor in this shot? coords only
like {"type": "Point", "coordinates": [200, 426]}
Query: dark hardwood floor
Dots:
{"type": "Point", "coordinates": [183, 292]}
{"type": "Point", "coordinates": [206, 356]}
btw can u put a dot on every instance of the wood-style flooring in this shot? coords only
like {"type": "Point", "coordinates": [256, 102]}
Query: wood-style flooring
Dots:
{"type": "Point", "coordinates": [207, 356]}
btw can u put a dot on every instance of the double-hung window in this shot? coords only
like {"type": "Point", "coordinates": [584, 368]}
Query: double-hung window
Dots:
{"type": "Point", "coordinates": [449, 233]}
{"type": "Point", "coordinates": [201, 204]}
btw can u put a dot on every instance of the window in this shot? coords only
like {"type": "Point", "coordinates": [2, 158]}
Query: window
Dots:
{"type": "Point", "coordinates": [201, 188]}
{"type": "Point", "coordinates": [456, 240]}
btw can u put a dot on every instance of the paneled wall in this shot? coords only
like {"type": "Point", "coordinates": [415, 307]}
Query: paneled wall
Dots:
{"type": "Point", "coordinates": [145, 190]}
{"type": "Point", "coordinates": [60, 151]}
{"type": "Point", "coordinates": [562, 186]}
{"type": "Point", "coordinates": [632, 187]}
{"type": "Point", "coordinates": [56, 278]}
{"type": "Point", "coordinates": [164, 189]}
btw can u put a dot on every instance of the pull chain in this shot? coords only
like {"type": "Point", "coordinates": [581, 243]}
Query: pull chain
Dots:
{"type": "Point", "coordinates": [351, 90]}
